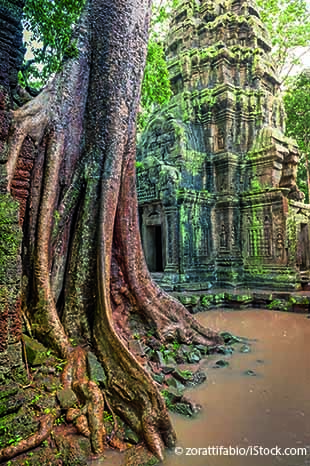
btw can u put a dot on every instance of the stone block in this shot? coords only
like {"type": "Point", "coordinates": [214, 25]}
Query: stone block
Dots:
{"type": "Point", "coordinates": [67, 398]}
{"type": "Point", "coordinates": [95, 369]}
{"type": "Point", "coordinates": [36, 352]}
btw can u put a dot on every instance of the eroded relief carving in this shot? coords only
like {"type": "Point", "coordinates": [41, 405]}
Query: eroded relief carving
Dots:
{"type": "Point", "coordinates": [223, 237]}
{"type": "Point", "coordinates": [215, 157]}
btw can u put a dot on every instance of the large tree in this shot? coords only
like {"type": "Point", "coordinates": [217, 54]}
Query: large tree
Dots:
{"type": "Point", "coordinates": [82, 255]}
{"type": "Point", "coordinates": [288, 23]}
{"type": "Point", "coordinates": [297, 106]}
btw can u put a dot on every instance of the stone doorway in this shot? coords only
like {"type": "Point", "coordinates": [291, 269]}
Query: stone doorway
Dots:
{"type": "Point", "coordinates": [304, 247]}
{"type": "Point", "coordinates": [154, 248]}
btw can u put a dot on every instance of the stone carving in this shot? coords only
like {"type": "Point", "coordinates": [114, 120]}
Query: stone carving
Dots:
{"type": "Point", "coordinates": [146, 189]}
{"type": "Point", "coordinates": [280, 246]}
{"type": "Point", "coordinates": [220, 139]}
{"type": "Point", "coordinates": [223, 237]}
{"type": "Point", "coordinates": [218, 151]}
{"type": "Point", "coordinates": [267, 237]}
{"type": "Point", "coordinates": [233, 235]}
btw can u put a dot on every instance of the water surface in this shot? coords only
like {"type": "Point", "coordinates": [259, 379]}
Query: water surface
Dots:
{"type": "Point", "coordinates": [271, 408]}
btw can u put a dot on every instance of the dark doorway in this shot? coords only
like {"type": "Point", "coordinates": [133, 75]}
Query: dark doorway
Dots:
{"type": "Point", "coordinates": [304, 247]}
{"type": "Point", "coordinates": [158, 248]}
{"type": "Point", "coordinates": [153, 248]}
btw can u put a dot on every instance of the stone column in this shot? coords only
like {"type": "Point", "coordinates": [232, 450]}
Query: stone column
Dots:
{"type": "Point", "coordinates": [172, 239]}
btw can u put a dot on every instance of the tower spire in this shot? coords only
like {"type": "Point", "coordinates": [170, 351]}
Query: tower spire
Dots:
{"type": "Point", "coordinates": [222, 169]}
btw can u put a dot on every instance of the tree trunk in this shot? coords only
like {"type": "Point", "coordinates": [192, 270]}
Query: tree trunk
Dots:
{"type": "Point", "coordinates": [308, 175]}
{"type": "Point", "coordinates": [82, 253]}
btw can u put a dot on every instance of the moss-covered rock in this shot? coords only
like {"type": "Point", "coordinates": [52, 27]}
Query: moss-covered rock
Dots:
{"type": "Point", "coordinates": [36, 352]}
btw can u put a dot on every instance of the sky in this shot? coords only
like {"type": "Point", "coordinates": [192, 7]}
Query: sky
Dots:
{"type": "Point", "coordinates": [305, 59]}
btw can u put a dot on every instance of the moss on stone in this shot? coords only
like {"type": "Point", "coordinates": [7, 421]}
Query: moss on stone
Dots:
{"type": "Point", "coordinates": [206, 301]}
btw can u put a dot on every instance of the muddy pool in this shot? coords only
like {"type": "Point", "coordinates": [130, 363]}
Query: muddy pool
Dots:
{"type": "Point", "coordinates": [262, 399]}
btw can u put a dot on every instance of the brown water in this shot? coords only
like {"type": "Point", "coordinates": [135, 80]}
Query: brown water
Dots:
{"type": "Point", "coordinates": [269, 409]}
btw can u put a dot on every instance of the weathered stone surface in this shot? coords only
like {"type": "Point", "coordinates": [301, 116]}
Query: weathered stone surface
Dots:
{"type": "Point", "coordinates": [173, 395]}
{"type": "Point", "coordinates": [159, 378]}
{"type": "Point", "coordinates": [167, 369]}
{"type": "Point", "coordinates": [221, 363]}
{"type": "Point", "coordinates": [73, 451]}
{"type": "Point", "coordinates": [160, 358]}
{"type": "Point", "coordinates": [135, 346]}
{"type": "Point", "coordinates": [11, 365]}
{"type": "Point", "coordinates": [10, 399]}
{"type": "Point", "coordinates": [184, 409]}
{"type": "Point", "coordinates": [141, 456]}
{"type": "Point", "coordinates": [11, 45]}
{"type": "Point", "coordinates": [170, 361]}
{"type": "Point", "coordinates": [95, 369]}
{"type": "Point", "coordinates": [217, 177]}
{"type": "Point", "coordinates": [224, 349]}
{"type": "Point", "coordinates": [194, 357]}
{"type": "Point", "coordinates": [182, 376]}
{"type": "Point", "coordinates": [197, 378]}
{"type": "Point", "coordinates": [202, 349]}
{"type": "Point", "coordinates": [230, 339]}
{"type": "Point", "coordinates": [9, 391]}
{"type": "Point", "coordinates": [67, 398]}
{"type": "Point", "coordinates": [245, 349]}
{"type": "Point", "coordinates": [11, 57]}
{"type": "Point", "coordinates": [36, 352]}
{"type": "Point", "coordinates": [172, 382]}
{"type": "Point", "coordinates": [131, 436]}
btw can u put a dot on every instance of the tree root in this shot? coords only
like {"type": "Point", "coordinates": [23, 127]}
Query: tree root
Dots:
{"type": "Point", "coordinates": [167, 316]}
{"type": "Point", "coordinates": [89, 419]}
{"type": "Point", "coordinates": [132, 392]}
{"type": "Point", "coordinates": [132, 385]}
{"type": "Point", "coordinates": [52, 120]}
{"type": "Point", "coordinates": [46, 425]}
{"type": "Point", "coordinates": [101, 139]}
{"type": "Point", "coordinates": [115, 425]}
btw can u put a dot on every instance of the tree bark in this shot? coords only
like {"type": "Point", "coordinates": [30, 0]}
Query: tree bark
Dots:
{"type": "Point", "coordinates": [82, 250]}
{"type": "Point", "coordinates": [308, 174]}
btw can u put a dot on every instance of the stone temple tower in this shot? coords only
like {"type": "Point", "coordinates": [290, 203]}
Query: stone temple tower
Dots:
{"type": "Point", "coordinates": [218, 200]}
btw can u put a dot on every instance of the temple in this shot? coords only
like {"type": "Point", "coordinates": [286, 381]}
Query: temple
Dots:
{"type": "Point", "coordinates": [216, 176]}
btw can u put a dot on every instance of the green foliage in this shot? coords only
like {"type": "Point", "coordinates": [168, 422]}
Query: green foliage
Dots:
{"type": "Point", "coordinates": [15, 440]}
{"type": "Point", "coordinates": [155, 85]}
{"type": "Point", "coordinates": [156, 88]}
{"type": "Point", "coordinates": [60, 420]}
{"type": "Point", "coordinates": [297, 106]}
{"type": "Point", "coordinates": [36, 398]}
{"type": "Point", "coordinates": [50, 411]}
{"type": "Point", "coordinates": [10, 237]}
{"type": "Point", "coordinates": [50, 25]}
{"type": "Point", "coordinates": [107, 417]}
{"type": "Point", "coordinates": [187, 374]}
{"type": "Point", "coordinates": [176, 345]}
{"type": "Point", "coordinates": [288, 22]}
{"type": "Point", "coordinates": [170, 351]}
{"type": "Point", "coordinates": [167, 397]}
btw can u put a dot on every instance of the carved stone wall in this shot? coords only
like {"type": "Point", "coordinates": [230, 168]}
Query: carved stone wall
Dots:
{"type": "Point", "coordinates": [217, 155]}
{"type": "Point", "coordinates": [11, 56]}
